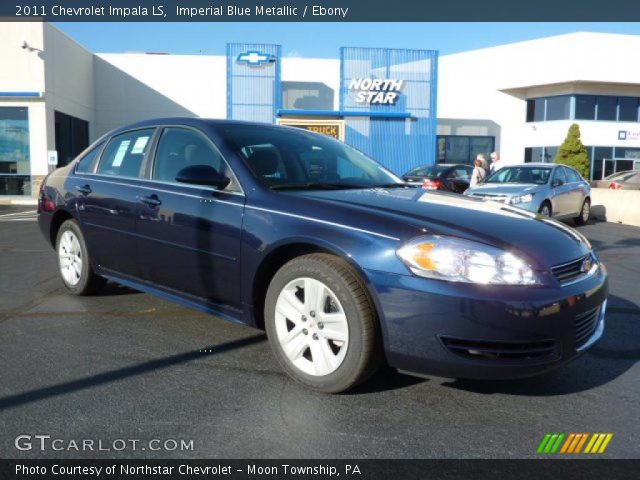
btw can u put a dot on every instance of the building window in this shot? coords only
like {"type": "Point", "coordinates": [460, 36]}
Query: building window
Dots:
{"type": "Point", "coordinates": [72, 137]}
{"type": "Point", "coordinates": [598, 155]}
{"type": "Point", "coordinates": [558, 108]}
{"type": "Point", "coordinates": [535, 110]}
{"type": "Point", "coordinates": [607, 107]}
{"type": "Point", "coordinates": [540, 154]}
{"type": "Point", "coordinates": [627, 153]}
{"type": "Point", "coordinates": [463, 148]}
{"type": "Point", "coordinates": [585, 107]}
{"type": "Point", "coordinates": [628, 109]}
{"type": "Point", "coordinates": [15, 160]}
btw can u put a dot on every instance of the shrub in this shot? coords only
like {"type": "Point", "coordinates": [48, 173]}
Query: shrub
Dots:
{"type": "Point", "coordinates": [573, 153]}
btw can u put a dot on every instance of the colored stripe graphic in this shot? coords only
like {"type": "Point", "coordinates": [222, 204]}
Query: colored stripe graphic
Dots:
{"type": "Point", "coordinates": [573, 443]}
{"type": "Point", "coordinates": [551, 442]}
{"type": "Point", "coordinates": [581, 442]}
{"type": "Point", "coordinates": [598, 443]}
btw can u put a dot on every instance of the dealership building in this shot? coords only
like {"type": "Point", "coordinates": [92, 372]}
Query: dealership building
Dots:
{"type": "Point", "coordinates": [404, 107]}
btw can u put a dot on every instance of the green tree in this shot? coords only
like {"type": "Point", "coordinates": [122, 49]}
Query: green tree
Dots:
{"type": "Point", "coordinates": [573, 153]}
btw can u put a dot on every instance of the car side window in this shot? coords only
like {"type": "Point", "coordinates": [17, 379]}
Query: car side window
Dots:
{"type": "Point", "coordinates": [572, 175]}
{"type": "Point", "coordinates": [559, 175]}
{"type": "Point", "coordinates": [462, 173]}
{"type": "Point", "coordinates": [124, 154]}
{"type": "Point", "coordinates": [181, 147]}
{"type": "Point", "coordinates": [87, 163]}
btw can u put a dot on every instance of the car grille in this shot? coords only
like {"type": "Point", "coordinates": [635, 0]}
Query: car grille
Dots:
{"type": "Point", "coordinates": [500, 350]}
{"type": "Point", "coordinates": [586, 325]}
{"type": "Point", "coordinates": [568, 272]}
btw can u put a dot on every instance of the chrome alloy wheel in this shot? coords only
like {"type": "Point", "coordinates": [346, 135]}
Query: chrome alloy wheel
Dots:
{"type": "Point", "coordinates": [545, 210]}
{"type": "Point", "coordinates": [586, 211]}
{"type": "Point", "coordinates": [311, 326]}
{"type": "Point", "coordinates": [70, 258]}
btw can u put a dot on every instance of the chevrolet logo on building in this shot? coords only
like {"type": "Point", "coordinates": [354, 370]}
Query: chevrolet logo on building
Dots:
{"type": "Point", "coordinates": [254, 58]}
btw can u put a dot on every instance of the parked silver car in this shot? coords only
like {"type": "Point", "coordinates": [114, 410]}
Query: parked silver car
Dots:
{"type": "Point", "coordinates": [546, 188]}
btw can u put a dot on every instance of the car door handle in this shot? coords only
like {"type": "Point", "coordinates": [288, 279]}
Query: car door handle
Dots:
{"type": "Point", "coordinates": [151, 200]}
{"type": "Point", "coordinates": [83, 189]}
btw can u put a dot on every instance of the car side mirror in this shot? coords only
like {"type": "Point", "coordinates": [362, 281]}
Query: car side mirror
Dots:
{"type": "Point", "coordinates": [202, 175]}
{"type": "Point", "coordinates": [557, 182]}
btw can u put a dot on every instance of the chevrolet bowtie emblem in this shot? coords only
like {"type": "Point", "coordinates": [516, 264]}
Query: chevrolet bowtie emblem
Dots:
{"type": "Point", "coordinates": [254, 58]}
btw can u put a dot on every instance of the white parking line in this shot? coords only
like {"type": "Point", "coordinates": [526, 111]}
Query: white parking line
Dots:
{"type": "Point", "coordinates": [28, 216]}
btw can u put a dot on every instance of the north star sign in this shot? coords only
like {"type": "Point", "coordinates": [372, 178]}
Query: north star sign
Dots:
{"type": "Point", "coordinates": [376, 91]}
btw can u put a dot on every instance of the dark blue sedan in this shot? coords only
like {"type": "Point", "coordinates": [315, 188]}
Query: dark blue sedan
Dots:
{"type": "Point", "coordinates": [340, 262]}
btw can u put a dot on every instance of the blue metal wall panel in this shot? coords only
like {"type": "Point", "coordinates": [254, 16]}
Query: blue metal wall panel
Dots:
{"type": "Point", "coordinates": [399, 144]}
{"type": "Point", "coordinates": [254, 90]}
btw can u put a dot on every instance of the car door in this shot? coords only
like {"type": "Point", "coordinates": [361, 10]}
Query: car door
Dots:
{"type": "Point", "coordinates": [576, 192]}
{"type": "Point", "coordinates": [189, 235]}
{"type": "Point", "coordinates": [559, 193]}
{"type": "Point", "coordinates": [107, 201]}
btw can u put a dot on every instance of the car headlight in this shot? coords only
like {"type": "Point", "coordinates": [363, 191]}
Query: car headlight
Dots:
{"type": "Point", "coordinates": [521, 199]}
{"type": "Point", "coordinates": [458, 260]}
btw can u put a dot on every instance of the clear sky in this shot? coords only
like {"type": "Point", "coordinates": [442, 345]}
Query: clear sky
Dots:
{"type": "Point", "coordinates": [317, 39]}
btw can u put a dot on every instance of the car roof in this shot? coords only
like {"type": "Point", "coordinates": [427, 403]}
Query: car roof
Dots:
{"type": "Point", "coordinates": [536, 164]}
{"type": "Point", "coordinates": [445, 165]}
{"type": "Point", "coordinates": [193, 122]}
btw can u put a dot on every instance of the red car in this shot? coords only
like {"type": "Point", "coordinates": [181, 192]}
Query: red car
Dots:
{"type": "Point", "coordinates": [448, 177]}
{"type": "Point", "coordinates": [627, 180]}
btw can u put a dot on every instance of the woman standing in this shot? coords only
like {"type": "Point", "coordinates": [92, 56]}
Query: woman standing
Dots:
{"type": "Point", "coordinates": [479, 173]}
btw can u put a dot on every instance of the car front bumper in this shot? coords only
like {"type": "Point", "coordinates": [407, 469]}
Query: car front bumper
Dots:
{"type": "Point", "coordinates": [462, 330]}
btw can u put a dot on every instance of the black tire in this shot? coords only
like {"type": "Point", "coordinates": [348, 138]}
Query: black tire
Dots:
{"type": "Point", "coordinates": [88, 282]}
{"type": "Point", "coordinates": [364, 352]}
{"type": "Point", "coordinates": [584, 216]}
{"type": "Point", "coordinates": [546, 204]}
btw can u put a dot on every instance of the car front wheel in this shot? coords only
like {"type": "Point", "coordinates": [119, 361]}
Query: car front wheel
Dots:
{"type": "Point", "coordinates": [321, 323]}
{"type": "Point", "coordinates": [73, 261]}
{"type": "Point", "coordinates": [545, 209]}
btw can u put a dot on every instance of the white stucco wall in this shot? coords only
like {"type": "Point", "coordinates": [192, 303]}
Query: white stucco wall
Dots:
{"type": "Point", "coordinates": [484, 90]}
{"type": "Point", "coordinates": [131, 87]}
{"type": "Point", "coordinates": [321, 70]}
{"type": "Point", "coordinates": [68, 82]}
{"type": "Point", "coordinates": [24, 71]}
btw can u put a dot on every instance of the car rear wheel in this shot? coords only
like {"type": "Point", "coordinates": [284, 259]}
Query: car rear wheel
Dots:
{"type": "Point", "coordinates": [321, 323]}
{"type": "Point", "coordinates": [585, 212]}
{"type": "Point", "coordinates": [73, 261]}
{"type": "Point", "coordinates": [545, 209]}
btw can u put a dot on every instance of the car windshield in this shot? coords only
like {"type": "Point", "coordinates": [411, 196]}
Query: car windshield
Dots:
{"type": "Point", "coordinates": [534, 175]}
{"type": "Point", "coordinates": [287, 158]}
{"type": "Point", "coordinates": [427, 171]}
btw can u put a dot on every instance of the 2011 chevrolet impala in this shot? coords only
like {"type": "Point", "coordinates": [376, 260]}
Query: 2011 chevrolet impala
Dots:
{"type": "Point", "coordinates": [343, 264]}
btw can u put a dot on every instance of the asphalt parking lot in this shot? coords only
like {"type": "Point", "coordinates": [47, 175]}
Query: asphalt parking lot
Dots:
{"type": "Point", "coordinates": [126, 365]}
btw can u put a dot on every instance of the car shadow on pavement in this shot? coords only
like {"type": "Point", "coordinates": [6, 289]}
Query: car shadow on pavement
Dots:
{"type": "Point", "coordinates": [386, 379]}
{"type": "Point", "coordinates": [38, 394]}
{"type": "Point", "coordinates": [615, 354]}
{"type": "Point", "coordinates": [112, 289]}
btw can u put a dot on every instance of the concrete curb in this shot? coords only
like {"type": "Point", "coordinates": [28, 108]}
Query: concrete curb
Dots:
{"type": "Point", "coordinates": [18, 201]}
{"type": "Point", "coordinates": [617, 206]}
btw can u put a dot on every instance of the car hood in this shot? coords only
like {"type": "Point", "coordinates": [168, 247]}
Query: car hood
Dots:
{"type": "Point", "coordinates": [544, 241]}
{"type": "Point", "coordinates": [508, 189]}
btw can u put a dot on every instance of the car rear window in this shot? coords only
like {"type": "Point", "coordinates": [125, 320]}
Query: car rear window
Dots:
{"type": "Point", "coordinates": [427, 171]}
